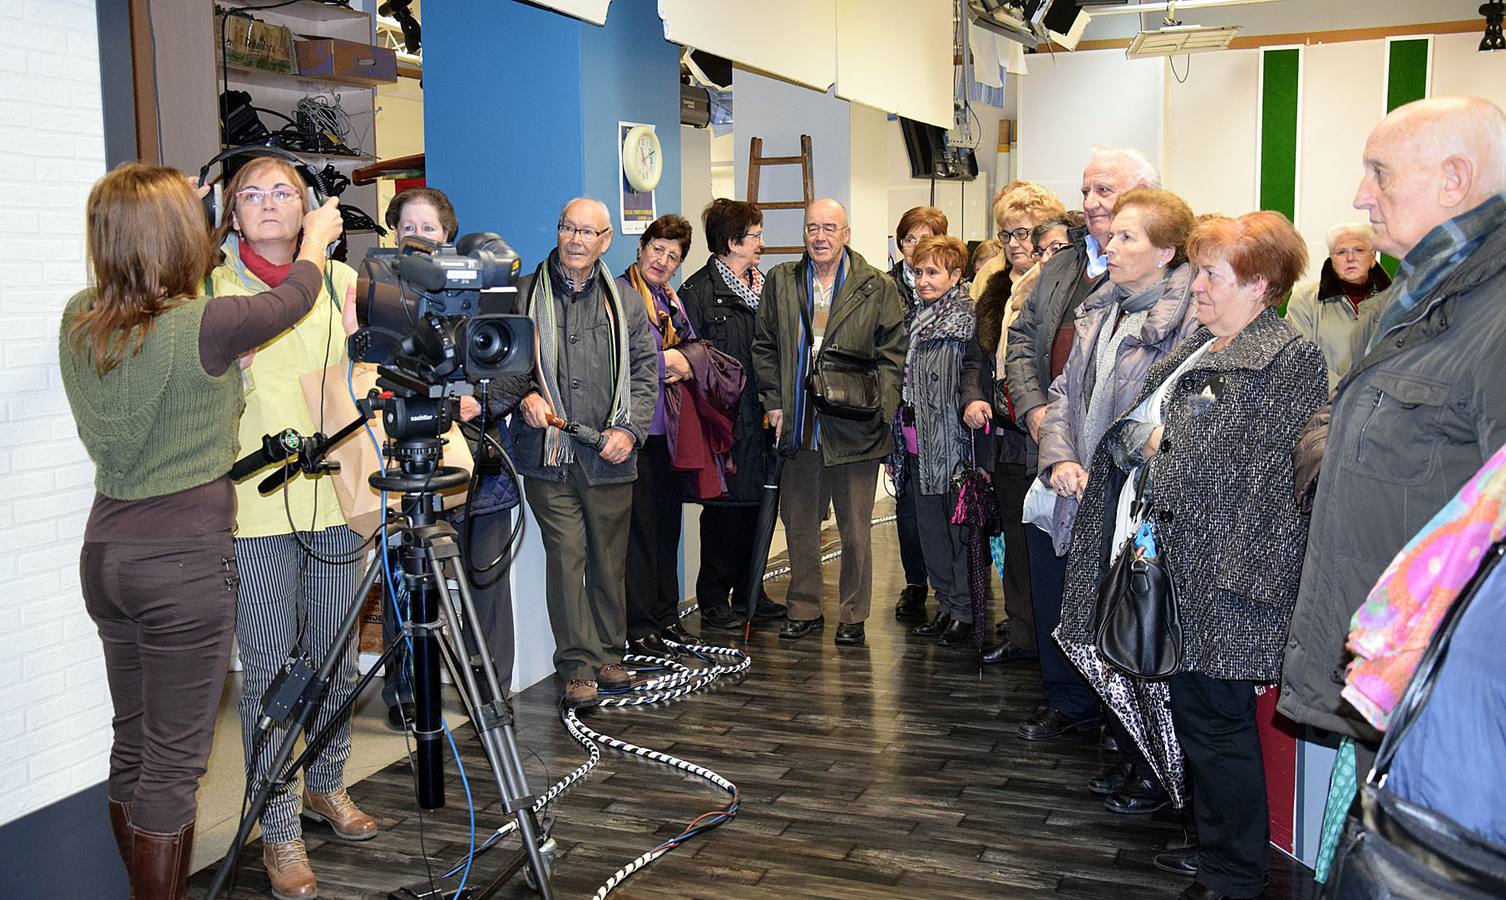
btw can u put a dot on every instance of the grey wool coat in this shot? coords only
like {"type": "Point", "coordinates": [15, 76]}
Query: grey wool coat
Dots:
{"type": "Point", "coordinates": [1230, 528]}
{"type": "Point", "coordinates": [1221, 493]}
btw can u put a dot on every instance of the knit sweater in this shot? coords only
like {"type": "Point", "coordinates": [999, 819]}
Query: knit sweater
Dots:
{"type": "Point", "coordinates": [130, 419]}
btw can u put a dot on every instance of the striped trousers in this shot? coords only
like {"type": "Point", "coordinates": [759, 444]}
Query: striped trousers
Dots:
{"type": "Point", "coordinates": [290, 600]}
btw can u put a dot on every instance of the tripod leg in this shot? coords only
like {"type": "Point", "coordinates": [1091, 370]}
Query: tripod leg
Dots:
{"type": "Point", "coordinates": [494, 716]}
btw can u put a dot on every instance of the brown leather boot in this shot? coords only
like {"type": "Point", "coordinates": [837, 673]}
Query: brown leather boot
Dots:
{"type": "Point", "coordinates": [120, 823]}
{"type": "Point", "coordinates": [341, 813]}
{"type": "Point", "coordinates": [159, 863]}
{"type": "Point", "coordinates": [288, 867]}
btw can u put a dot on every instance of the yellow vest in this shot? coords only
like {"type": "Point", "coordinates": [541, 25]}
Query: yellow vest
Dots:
{"type": "Point", "coordinates": [275, 401]}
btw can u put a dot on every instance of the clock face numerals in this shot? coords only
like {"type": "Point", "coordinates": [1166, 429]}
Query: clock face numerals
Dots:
{"type": "Point", "coordinates": [642, 158]}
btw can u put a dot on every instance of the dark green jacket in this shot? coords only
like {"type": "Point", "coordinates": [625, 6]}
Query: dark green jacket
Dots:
{"type": "Point", "coordinates": [867, 318]}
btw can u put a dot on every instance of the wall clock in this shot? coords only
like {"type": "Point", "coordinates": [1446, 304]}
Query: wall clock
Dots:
{"type": "Point", "coordinates": [642, 158]}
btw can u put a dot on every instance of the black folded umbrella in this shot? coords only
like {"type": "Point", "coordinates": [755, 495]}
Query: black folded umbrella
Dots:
{"type": "Point", "coordinates": [763, 535]}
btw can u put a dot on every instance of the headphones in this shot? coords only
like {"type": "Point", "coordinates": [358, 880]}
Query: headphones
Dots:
{"type": "Point", "coordinates": [215, 204]}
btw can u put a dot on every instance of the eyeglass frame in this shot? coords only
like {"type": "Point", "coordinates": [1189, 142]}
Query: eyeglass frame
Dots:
{"type": "Point", "coordinates": [245, 194]}
{"type": "Point", "coordinates": [569, 230]}
{"type": "Point", "coordinates": [1050, 249]}
{"type": "Point", "coordinates": [830, 229]}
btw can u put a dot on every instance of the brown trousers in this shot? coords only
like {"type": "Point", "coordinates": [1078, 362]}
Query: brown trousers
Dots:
{"type": "Point", "coordinates": [801, 490]}
{"type": "Point", "coordinates": [165, 614]}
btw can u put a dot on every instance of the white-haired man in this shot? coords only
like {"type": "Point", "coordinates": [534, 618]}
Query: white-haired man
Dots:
{"type": "Point", "coordinates": [597, 365]}
{"type": "Point", "coordinates": [1425, 405]}
{"type": "Point", "coordinates": [1039, 341]}
{"type": "Point", "coordinates": [1328, 311]}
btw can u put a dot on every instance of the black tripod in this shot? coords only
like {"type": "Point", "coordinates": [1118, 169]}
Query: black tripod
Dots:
{"type": "Point", "coordinates": [426, 545]}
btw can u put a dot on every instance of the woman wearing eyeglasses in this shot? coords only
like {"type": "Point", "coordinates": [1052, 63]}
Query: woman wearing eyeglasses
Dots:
{"type": "Point", "coordinates": [653, 584]}
{"type": "Point", "coordinates": [297, 558]}
{"type": "Point", "coordinates": [914, 226]}
{"type": "Point", "coordinates": [985, 402]}
{"type": "Point", "coordinates": [721, 300]}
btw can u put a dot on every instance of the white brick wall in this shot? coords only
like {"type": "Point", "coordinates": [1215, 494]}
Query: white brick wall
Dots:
{"type": "Point", "coordinates": [54, 704]}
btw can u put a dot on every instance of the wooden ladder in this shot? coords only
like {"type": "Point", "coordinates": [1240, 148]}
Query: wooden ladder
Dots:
{"type": "Point", "coordinates": [756, 161]}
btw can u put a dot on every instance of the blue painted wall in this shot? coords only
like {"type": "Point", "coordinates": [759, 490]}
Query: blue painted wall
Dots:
{"type": "Point", "coordinates": [521, 107]}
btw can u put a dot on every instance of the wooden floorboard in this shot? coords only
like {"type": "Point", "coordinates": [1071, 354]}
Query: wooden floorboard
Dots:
{"type": "Point", "coordinates": [886, 771]}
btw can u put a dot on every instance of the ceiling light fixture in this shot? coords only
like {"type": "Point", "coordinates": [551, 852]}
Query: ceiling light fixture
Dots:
{"type": "Point", "coordinates": [1494, 12]}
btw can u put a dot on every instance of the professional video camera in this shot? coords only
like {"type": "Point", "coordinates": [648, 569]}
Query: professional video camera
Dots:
{"type": "Point", "coordinates": [432, 311]}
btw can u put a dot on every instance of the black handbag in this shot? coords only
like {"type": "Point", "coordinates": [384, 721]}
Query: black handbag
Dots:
{"type": "Point", "coordinates": [1395, 848]}
{"type": "Point", "coordinates": [1136, 626]}
{"type": "Point", "coordinates": [842, 383]}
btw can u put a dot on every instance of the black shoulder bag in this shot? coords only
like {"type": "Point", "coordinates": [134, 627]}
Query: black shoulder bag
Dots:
{"type": "Point", "coordinates": [1395, 848]}
{"type": "Point", "coordinates": [1136, 626]}
{"type": "Point", "coordinates": [842, 384]}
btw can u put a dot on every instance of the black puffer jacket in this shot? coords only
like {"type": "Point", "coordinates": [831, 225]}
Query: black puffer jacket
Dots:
{"type": "Point", "coordinates": [720, 316]}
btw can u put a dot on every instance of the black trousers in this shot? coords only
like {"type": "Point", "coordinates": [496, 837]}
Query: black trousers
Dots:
{"type": "Point", "coordinates": [726, 555]}
{"type": "Point", "coordinates": [1062, 684]}
{"type": "Point", "coordinates": [911, 556]}
{"type": "Point", "coordinates": [1010, 484]}
{"type": "Point", "coordinates": [1215, 724]}
{"type": "Point", "coordinates": [653, 556]}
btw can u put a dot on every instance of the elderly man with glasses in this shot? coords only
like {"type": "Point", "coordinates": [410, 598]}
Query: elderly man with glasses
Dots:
{"type": "Point", "coordinates": [598, 367]}
{"type": "Point", "coordinates": [833, 299]}
{"type": "Point", "coordinates": [1328, 310]}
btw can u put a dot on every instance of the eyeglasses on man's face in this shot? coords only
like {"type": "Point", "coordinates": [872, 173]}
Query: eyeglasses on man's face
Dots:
{"type": "Point", "coordinates": [830, 229]}
{"type": "Point", "coordinates": [1049, 250]}
{"type": "Point", "coordinates": [588, 234]}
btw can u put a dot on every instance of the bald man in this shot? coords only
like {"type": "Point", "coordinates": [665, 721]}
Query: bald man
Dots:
{"type": "Point", "coordinates": [830, 295]}
{"type": "Point", "coordinates": [1424, 405]}
{"type": "Point", "coordinates": [597, 366]}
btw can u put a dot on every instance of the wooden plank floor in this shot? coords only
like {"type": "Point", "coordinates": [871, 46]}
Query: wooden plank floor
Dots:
{"type": "Point", "coordinates": [886, 771]}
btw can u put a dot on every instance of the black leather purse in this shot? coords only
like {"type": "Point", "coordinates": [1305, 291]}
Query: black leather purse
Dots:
{"type": "Point", "coordinates": [1395, 848]}
{"type": "Point", "coordinates": [842, 384]}
{"type": "Point", "coordinates": [1136, 626]}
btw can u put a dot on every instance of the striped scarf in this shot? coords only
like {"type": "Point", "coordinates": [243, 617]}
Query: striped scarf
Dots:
{"type": "Point", "coordinates": [1434, 257]}
{"type": "Point", "coordinates": [559, 450]}
{"type": "Point", "coordinates": [748, 294]}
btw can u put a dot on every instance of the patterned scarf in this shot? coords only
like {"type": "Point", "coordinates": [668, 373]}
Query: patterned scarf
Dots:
{"type": "Point", "coordinates": [663, 322]}
{"type": "Point", "coordinates": [559, 449]}
{"type": "Point", "coordinates": [748, 294]}
{"type": "Point", "coordinates": [939, 335]}
{"type": "Point", "coordinates": [1433, 258]}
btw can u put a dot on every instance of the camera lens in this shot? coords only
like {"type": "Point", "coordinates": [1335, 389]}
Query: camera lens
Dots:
{"type": "Point", "coordinates": [490, 343]}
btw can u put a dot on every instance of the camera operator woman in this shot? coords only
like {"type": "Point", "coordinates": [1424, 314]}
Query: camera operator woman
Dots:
{"type": "Point", "coordinates": [150, 369]}
{"type": "Point", "coordinates": [298, 559]}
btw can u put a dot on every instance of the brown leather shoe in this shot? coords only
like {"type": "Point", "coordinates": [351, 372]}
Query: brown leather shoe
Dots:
{"type": "Point", "coordinates": [288, 866]}
{"type": "Point", "coordinates": [614, 677]}
{"type": "Point", "coordinates": [578, 692]}
{"type": "Point", "coordinates": [159, 863]}
{"type": "Point", "coordinates": [120, 823]}
{"type": "Point", "coordinates": [342, 814]}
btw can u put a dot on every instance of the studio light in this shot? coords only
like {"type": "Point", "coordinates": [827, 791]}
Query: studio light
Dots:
{"type": "Point", "coordinates": [1494, 12]}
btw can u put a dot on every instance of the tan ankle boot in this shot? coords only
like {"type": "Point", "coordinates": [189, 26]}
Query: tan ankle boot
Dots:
{"type": "Point", "coordinates": [288, 867]}
{"type": "Point", "coordinates": [341, 813]}
{"type": "Point", "coordinates": [159, 863]}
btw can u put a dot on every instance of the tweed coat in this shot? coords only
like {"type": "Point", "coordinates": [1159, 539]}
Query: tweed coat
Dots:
{"type": "Point", "coordinates": [1230, 528]}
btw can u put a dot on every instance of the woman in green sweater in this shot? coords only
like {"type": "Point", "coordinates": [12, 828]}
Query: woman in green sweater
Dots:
{"type": "Point", "coordinates": [151, 373]}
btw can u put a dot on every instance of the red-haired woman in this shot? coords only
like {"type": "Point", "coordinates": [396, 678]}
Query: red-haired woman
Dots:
{"type": "Point", "coordinates": [930, 439]}
{"type": "Point", "coordinates": [150, 368]}
{"type": "Point", "coordinates": [1215, 421]}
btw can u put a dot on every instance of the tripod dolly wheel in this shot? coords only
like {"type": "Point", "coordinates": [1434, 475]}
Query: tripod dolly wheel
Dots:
{"type": "Point", "coordinates": [546, 851]}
